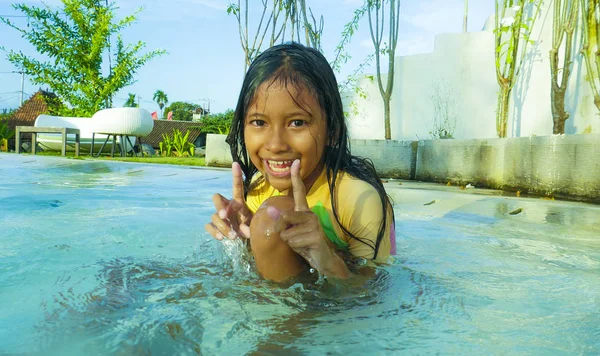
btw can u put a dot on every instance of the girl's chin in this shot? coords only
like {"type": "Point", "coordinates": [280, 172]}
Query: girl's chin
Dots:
{"type": "Point", "coordinates": [281, 184]}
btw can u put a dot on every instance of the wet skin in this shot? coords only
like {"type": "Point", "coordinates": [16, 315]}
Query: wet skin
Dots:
{"type": "Point", "coordinates": [284, 124]}
{"type": "Point", "coordinates": [275, 259]}
{"type": "Point", "coordinates": [285, 134]}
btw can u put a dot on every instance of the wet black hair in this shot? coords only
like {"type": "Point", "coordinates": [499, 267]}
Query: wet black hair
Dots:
{"type": "Point", "coordinates": [306, 68]}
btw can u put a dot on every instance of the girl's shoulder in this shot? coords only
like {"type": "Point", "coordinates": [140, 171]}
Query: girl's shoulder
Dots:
{"type": "Point", "coordinates": [356, 197]}
{"type": "Point", "coordinates": [347, 183]}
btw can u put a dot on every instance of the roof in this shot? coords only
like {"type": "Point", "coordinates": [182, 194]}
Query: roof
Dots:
{"type": "Point", "coordinates": [42, 102]}
{"type": "Point", "coordinates": [166, 127]}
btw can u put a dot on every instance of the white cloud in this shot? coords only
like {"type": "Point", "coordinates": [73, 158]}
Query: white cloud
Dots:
{"type": "Point", "coordinates": [368, 42]}
{"type": "Point", "coordinates": [175, 11]}
{"type": "Point", "coordinates": [439, 16]}
{"type": "Point", "coordinates": [353, 2]}
{"type": "Point", "coordinates": [434, 16]}
{"type": "Point", "coordinates": [219, 5]}
{"type": "Point", "coordinates": [407, 46]}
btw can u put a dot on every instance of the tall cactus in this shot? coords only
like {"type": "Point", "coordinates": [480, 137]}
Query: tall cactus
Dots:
{"type": "Point", "coordinates": [591, 28]}
{"type": "Point", "coordinates": [376, 27]}
{"type": "Point", "coordinates": [276, 16]}
{"type": "Point", "coordinates": [563, 27]}
{"type": "Point", "coordinates": [512, 33]}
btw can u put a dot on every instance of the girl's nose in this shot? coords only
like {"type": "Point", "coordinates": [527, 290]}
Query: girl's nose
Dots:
{"type": "Point", "coordinates": [276, 141]}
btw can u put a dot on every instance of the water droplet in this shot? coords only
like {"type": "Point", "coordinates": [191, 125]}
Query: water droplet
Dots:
{"type": "Point", "coordinates": [267, 234]}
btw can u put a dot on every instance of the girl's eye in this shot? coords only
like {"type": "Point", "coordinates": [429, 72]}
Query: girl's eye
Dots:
{"type": "Point", "coordinates": [258, 123]}
{"type": "Point", "coordinates": [298, 123]}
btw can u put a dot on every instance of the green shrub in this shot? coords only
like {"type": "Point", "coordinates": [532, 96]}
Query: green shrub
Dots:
{"type": "Point", "coordinates": [217, 123]}
{"type": "Point", "coordinates": [181, 145]}
{"type": "Point", "coordinates": [166, 146]}
{"type": "Point", "coordinates": [176, 145]}
{"type": "Point", "coordinates": [5, 132]}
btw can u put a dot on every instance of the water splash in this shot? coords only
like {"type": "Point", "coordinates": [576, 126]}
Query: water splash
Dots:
{"type": "Point", "coordinates": [235, 253]}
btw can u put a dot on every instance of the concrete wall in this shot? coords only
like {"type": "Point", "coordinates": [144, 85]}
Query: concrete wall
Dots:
{"type": "Point", "coordinates": [565, 166]}
{"type": "Point", "coordinates": [393, 159]}
{"type": "Point", "coordinates": [461, 161]}
{"type": "Point", "coordinates": [218, 153]}
{"type": "Point", "coordinates": [460, 76]}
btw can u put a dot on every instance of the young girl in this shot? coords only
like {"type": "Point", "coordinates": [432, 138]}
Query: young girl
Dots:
{"type": "Point", "coordinates": [289, 138]}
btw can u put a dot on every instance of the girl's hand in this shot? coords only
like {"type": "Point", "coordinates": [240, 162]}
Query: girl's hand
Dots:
{"type": "Point", "coordinates": [302, 231]}
{"type": "Point", "coordinates": [232, 218]}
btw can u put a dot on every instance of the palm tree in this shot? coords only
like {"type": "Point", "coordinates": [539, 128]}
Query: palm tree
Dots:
{"type": "Point", "coordinates": [130, 103]}
{"type": "Point", "coordinates": [161, 99]}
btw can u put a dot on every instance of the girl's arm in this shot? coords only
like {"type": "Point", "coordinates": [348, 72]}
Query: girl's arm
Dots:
{"type": "Point", "coordinates": [303, 232]}
{"type": "Point", "coordinates": [361, 213]}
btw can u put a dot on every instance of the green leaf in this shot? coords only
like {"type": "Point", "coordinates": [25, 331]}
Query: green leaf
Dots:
{"type": "Point", "coordinates": [75, 41]}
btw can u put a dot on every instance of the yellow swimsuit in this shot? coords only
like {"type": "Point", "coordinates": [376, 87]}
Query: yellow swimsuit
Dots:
{"type": "Point", "coordinates": [360, 212]}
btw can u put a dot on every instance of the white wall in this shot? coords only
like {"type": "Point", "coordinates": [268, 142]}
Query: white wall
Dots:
{"type": "Point", "coordinates": [462, 64]}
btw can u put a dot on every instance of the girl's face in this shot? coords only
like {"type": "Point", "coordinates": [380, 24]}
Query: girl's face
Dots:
{"type": "Point", "coordinates": [284, 124]}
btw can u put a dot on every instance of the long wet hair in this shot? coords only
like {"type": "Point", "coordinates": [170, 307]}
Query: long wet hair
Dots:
{"type": "Point", "coordinates": [306, 68]}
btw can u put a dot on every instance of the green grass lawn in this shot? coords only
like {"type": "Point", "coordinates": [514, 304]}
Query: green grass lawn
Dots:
{"type": "Point", "coordinates": [182, 161]}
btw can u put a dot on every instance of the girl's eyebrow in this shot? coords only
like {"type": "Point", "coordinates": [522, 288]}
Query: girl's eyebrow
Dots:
{"type": "Point", "coordinates": [298, 113]}
{"type": "Point", "coordinates": [286, 116]}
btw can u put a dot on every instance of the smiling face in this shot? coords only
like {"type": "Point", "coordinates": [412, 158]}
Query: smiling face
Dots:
{"type": "Point", "coordinates": [284, 124]}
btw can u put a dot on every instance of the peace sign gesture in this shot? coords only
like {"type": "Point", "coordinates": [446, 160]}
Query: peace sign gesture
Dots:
{"type": "Point", "coordinates": [232, 218]}
{"type": "Point", "coordinates": [302, 231]}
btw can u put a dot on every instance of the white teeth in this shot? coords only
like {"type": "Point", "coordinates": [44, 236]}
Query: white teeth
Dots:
{"type": "Point", "coordinates": [273, 165]}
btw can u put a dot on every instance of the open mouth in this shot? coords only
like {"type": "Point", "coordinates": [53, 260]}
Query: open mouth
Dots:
{"type": "Point", "coordinates": [278, 168]}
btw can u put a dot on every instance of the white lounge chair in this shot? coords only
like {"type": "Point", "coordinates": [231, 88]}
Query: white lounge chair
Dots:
{"type": "Point", "coordinates": [123, 125]}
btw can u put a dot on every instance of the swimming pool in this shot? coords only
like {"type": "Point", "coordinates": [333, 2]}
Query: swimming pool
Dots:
{"type": "Point", "coordinates": [100, 258]}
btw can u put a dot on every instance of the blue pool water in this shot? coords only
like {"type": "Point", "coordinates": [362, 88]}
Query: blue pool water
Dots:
{"type": "Point", "coordinates": [112, 258]}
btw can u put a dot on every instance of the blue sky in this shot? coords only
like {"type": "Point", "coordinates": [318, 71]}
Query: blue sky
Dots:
{"type": "Point", "coordinates": [204, 64]}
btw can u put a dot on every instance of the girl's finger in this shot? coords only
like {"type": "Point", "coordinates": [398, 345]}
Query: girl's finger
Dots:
{"type": "Point", "coordinates": [298, 188]}
{"type": "Point", "coordinates": [232, 208]}
{"type": "Point", "coordinates": [288, 218]}
{"type": "Point", "coordinates": [220, 201]}
{"type": "Point", "coordinates": [238, 182]}
{"type": "Point", "coordinates": [304, 235]}
{"type": "Point", "coordinates": [223, 227]}
{"type": "Point", "coordinates": [245, 230]}
{"type": "Point", "coordinates": [213, 231]}
{"type": "Point", "coordinates": [298, 243]}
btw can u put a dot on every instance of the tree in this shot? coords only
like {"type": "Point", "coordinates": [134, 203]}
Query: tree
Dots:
{"type": "Point", "coordinates": [6, 114]}
{"type": "Point", "coordinates": [341, 57]}
{"type": "Point", "coordinates": [161, 99]}
{"type": "Point", "coordinates": [563, 27]}
{"type": "Point", "coordinates": [76, 40]}
{"type": "Point", "coordinates": [183, 111]}
{"type": "Point", "coordinates": [130, 103]}
{"type": "Point", "coordinates": [218, 123]}
{"type": "Point", "coordinates": [301, 26]}
{"type": "Point", "coordinates": [294, 14]}
{"type": "Point", "coordinates": [378, 8]}
{"type": "Point", "coordinates": [512, 33]}
{"type": "Point", "coordinates": [591, 30]}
